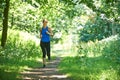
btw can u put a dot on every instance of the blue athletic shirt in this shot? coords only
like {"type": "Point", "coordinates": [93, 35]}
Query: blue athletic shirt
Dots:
{"type": "Point", "coordinates": [45, 36]}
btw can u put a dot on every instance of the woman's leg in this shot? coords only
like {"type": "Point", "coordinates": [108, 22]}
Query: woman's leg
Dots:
{"type": "Point", "coordinates": [44, 53]}
{"type": "Point", "coordinates": [48, 50]}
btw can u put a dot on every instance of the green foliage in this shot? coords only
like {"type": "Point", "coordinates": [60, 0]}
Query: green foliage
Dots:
{"type": "Point", "coordinates": [22, 51]}
{"type": "Point", "coordinates": [107, 20]}
{"type": "Point", "coordinates": [112, 51]}
{"type": "Point", "coordinates": [107, 46]}
{"type": "Point", "coordinates": [95, 61]}
{"type": "Point", "coordinates": [99, 29]}
{"type": "Point", "coordinates": [110, 8]}
{"type": "Point", "coordinates": [2, 4]}
{"type": "Point", "coordinates": [25, 47]}
{"type": "Point", "coordinates": [28, 15]}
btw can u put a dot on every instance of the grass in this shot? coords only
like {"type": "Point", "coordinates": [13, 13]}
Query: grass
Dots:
{"type": "Point", "coordinates": [94, 61]}
{"type": "Point", "coordinates": [89, 68]}
{"type": "Point", "coordinates": [21, 51]}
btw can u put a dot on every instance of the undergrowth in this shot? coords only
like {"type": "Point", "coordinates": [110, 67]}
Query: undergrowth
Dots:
{"type": "Point", "coordinates": [21, 51]}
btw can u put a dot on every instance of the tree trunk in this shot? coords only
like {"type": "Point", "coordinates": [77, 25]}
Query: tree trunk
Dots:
{"type": "Point", "coordinates": [108, 29]}
{"type": "Point", "coordinates": [5, 23]}
{"type": "Point", "coordinates": [114, 28]}
{"type": "Point", "coordinates": [12, 20]}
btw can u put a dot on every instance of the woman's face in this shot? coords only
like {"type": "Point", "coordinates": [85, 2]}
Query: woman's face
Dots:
{"type": "Point", "coordinates": [45, 22]}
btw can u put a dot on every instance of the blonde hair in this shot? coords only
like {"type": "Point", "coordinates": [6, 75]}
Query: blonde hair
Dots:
{"type": "Point", "coordinates": [45, 20]}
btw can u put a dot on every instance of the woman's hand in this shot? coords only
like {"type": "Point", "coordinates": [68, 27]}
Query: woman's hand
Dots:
{"type": "Point", "coordinates": [49, 33]}
{"type": "Point", "coordinates": [40, 36]}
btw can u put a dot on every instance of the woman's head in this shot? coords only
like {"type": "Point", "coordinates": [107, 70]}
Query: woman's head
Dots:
{"type": "Point", "coordinates": [45, 21]}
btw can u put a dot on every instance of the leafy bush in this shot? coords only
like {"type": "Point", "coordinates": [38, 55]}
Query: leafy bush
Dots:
{"type": "Point", "coordinates": [21, 45]}
{"type": "Point", "coordinates": [98, 30]}
{"type": "Point", "coordinates": [108, 47]}
{"type": "Point", "coordinates": [112, 51]}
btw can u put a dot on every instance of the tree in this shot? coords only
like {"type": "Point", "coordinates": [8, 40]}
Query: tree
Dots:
{"type": "Point", "coordinates": [5, 23]}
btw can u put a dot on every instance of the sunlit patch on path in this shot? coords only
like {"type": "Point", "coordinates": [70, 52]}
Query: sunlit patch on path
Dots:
{"type": "Point", "coordinates": [48, 73]}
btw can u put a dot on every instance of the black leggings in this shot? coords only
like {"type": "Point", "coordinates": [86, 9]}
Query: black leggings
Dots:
{"type": "Point", "coordinates": [45, 46]}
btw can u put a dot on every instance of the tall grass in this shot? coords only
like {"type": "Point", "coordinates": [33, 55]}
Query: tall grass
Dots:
{"type": "Point", "coordinates": [21, 51]}
{"type": "Point", "coordinates": [94, 61]}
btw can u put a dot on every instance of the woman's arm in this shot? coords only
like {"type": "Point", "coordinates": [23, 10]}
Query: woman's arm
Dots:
{"type": "Point", "coordinates": [40, 32]}
{"type": "Point", "coordinates": [50, 31]}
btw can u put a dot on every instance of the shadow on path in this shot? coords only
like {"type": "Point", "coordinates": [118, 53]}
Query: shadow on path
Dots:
{"type": "Point", "coordinates": [48, 73]}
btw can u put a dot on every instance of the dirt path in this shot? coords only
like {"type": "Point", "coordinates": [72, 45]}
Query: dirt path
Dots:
{"type": "Point", "coordinates": [48, 73]}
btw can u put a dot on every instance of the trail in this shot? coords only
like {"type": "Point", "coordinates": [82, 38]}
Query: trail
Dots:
{"type": "Point", "coordinates": [48, 73]}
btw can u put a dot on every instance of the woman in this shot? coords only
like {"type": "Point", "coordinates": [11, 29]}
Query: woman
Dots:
{"type": "Point", "coordinates": [45, 33]}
